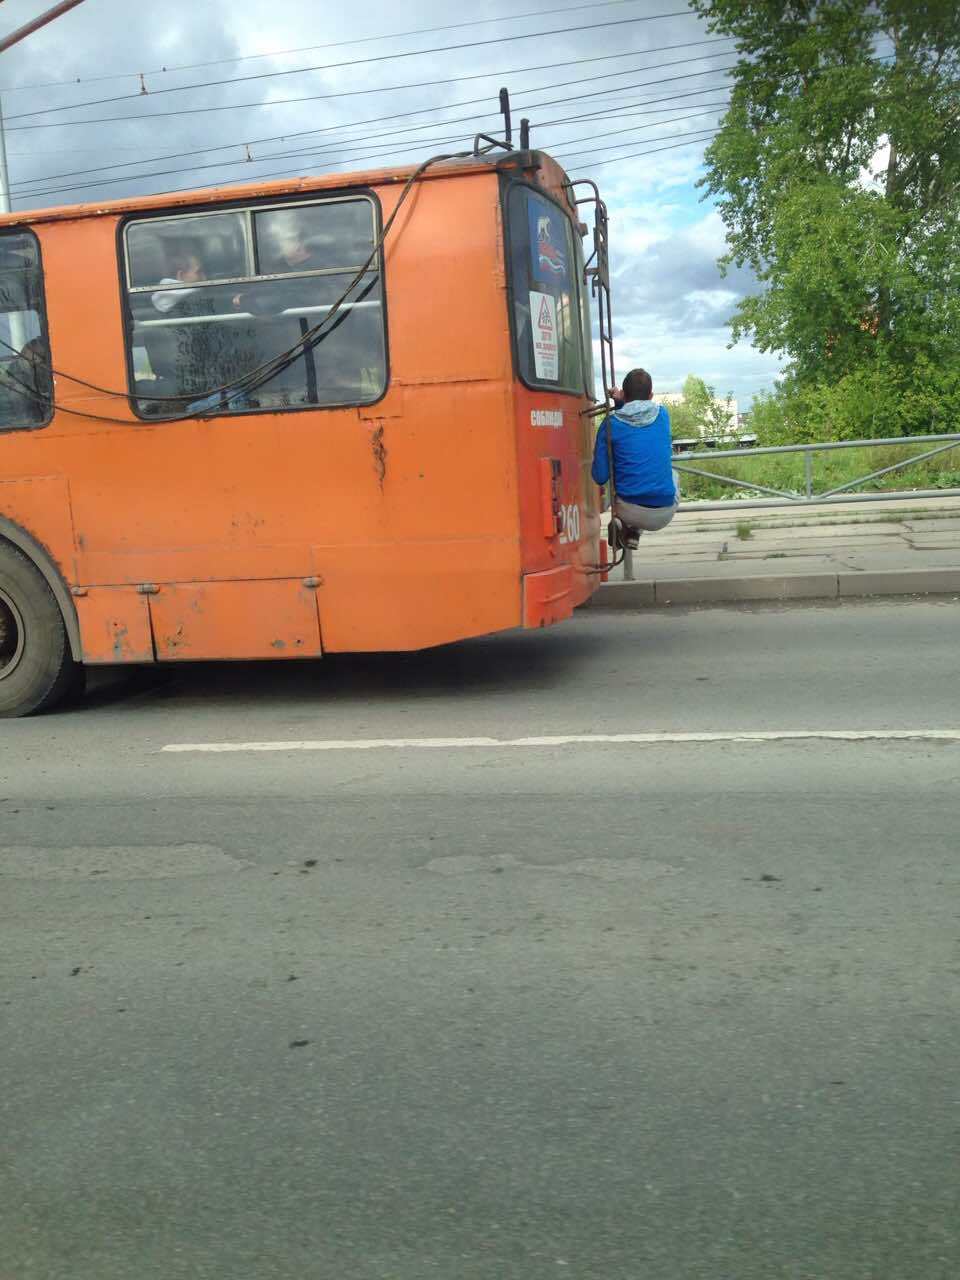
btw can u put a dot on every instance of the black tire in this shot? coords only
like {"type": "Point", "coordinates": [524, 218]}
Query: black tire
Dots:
{"type": "Point", "coordinates": [37, 669]}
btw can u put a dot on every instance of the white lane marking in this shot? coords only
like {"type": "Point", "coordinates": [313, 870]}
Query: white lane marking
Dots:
{"type": "Point", "coordinates": [579, 739]}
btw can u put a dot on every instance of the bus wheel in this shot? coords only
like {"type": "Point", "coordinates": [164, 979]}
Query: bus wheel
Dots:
{"type": "Point", "coordinates": [36, 666]}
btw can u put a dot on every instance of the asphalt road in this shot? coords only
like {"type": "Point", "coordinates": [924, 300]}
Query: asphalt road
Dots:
{"type": "Point", "coordinates": [626, 1012]}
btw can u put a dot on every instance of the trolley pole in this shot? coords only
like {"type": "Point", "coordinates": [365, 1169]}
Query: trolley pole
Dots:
{"type": "Point", "coordinates": [7, 42]}
{"type": "Point", "coordinates": [28, 29]}
{"type": "Point", "coordinates": [4, 176]}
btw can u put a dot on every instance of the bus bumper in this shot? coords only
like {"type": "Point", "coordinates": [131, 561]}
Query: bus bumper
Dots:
{"type": "Point", "coordinates": [548, 597]}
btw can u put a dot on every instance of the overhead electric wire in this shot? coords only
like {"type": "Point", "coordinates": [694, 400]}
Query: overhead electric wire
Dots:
{"type": "Point", "coordinates": [354, 93]}
{"type": "Point", "coordinates": [351, 93]}
{"type": "Point", "coordinates": [351, 124]}
{"type": "Point", "coordinates": [386, 150]}
{"type": "Point", "coordinates": [352, 64]}
{"type": "Point", "coordinates": [125, 164]}
{"type": "Point", "coordinates": [313, 48]}
{"type": "Point", "coordinates": [636, 154]}
{"type": "Point", "coordinates": [285, 173]}
{"type": "Point", "coordinates": [373, 153]}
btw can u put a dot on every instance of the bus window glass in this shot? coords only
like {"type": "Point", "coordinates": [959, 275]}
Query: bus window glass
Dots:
{"type": "Point", "coordinates": [25, 375]}
{"type": "Point", "coordinates": [300, 330]}
{"type": "Point", "coordinates": [205, 247]}
{"type": "Point", "coordinates": [545, 293]}
{"type": "Point", "coordinates": [325, 237]}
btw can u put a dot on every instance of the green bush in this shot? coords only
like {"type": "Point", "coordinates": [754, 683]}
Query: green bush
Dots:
{"type": "Point", "coordinates": [875, 400]}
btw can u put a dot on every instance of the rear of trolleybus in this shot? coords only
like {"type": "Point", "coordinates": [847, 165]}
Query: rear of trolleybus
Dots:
{"type": "Point", "coordinates": [554, 391]}
{"type": "Point", "coordinates": [297, 562]}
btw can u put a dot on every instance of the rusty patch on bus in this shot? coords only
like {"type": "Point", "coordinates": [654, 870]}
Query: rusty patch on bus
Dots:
{"type": "Point", "coordinates": [379, 455]}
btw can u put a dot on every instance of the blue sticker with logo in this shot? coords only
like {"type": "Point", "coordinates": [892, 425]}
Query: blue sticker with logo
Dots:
{"type": "Point", "coordinates": [548, 243]}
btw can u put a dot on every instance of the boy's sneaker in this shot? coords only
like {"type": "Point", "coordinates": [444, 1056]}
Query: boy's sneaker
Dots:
{"type": "Point", "coordinates": [631, 538]}
{"type": "Point", "coordinates": [615, 532]}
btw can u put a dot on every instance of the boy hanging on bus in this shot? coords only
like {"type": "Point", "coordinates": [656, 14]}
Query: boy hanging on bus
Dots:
{"type": "Point", "coordinates": [646, 484]}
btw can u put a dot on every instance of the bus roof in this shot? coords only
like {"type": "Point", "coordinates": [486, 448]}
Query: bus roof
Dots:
{"type": "Point", "coordinates": [278, 187]}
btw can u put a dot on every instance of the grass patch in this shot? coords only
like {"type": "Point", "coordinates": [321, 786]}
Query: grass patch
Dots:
{"type": "Point", "coordinates": [744, 530]}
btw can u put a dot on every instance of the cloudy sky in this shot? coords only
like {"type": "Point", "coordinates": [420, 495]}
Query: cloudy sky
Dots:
{"type": "Point", "coordinates": [188, 93]}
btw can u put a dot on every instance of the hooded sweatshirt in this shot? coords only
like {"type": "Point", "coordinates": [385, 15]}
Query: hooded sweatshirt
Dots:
{"type": "Point", "coordinates": [642, 454]}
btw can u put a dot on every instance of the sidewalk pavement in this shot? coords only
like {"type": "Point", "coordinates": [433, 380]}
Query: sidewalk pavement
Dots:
{"type": "Point", "coordinates": [832, 550]}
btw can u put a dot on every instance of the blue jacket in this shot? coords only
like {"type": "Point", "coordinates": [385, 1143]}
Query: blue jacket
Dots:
{"type": "Point", "coordinates": [642, 454]}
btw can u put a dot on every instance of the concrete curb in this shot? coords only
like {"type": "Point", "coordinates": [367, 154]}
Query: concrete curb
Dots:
{"type": "Point", "coordinates": [779, 586]}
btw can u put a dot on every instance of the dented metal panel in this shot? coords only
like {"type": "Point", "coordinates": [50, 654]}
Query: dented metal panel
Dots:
{"type": "Point", "coordinates": [235, 620]}
{"type": "Point", "coordinates": [548, 597]}
{"type": "Point", "coordinates": [115, 624]}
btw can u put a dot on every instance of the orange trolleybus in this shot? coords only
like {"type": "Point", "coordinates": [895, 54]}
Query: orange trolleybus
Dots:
{"type": "Point", "coordinates": [317, 415]}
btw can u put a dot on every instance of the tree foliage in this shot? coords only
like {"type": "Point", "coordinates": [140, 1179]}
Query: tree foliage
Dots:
{"type": "Point", "coordinates": [700, 412]}
{"type": "Point", "coordinates": [837, 174]}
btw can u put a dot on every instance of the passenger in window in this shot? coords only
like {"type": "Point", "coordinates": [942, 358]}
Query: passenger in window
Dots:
{"type": "Point", "coordinates": [184, 266]}
{"type": "Point", "coordinates": [287, 247]}
{"type": "Point", "coordinates": [643, 475]}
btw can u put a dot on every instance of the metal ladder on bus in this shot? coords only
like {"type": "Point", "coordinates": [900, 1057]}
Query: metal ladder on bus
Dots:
{"type": "Point", "coordinates": [597, 272]}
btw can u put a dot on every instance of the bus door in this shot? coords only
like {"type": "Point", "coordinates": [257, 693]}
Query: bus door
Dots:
{"type": "Point", "coordinates": [551, 333]}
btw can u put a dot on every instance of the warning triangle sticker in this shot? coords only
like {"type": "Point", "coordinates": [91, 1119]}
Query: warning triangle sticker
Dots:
{"type": "Point", "coordinates": [546, 318]}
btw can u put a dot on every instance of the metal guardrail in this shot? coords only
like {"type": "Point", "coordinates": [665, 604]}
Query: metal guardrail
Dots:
{"type": "Point", "coordinates": [809, 498]}
{"type": "Point", "coordinates": [840, 493]}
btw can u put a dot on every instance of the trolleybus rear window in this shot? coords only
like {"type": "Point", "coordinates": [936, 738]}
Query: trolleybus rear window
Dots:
{"type": "Point", "coordinates": [546, 303]}
{"type": "Point", "coordinates": [25, 378]}
{"type": "Point", "coordinates": [215, 297]}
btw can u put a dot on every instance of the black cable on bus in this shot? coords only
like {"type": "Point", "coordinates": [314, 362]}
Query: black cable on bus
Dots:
{"type": "Point", "coordinates": [263, 373]}
{"type": "Point", "coordinates": [48, 402]}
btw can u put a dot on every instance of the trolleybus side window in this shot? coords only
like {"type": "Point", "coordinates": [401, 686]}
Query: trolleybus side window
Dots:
{"type": "Point", "coordinates": [25, 377]}
{"type": "Point", "coordinates": [546, 301]}
{"type": "Point", "coordinates": [215, 297]}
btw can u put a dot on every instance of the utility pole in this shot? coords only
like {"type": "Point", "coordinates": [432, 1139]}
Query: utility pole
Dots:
{"type": "Point", "coordinates": [7, 42]}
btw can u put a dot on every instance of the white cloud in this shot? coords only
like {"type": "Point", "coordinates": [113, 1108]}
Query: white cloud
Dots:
{"type": "Point", "coordinates": [873, 176]}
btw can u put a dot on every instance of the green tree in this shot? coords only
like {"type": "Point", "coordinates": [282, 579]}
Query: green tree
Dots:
{"type": "Point", "coordinates": [717, 416]}
{"type": "Point", "coordinates": [700, 412]}
{"type": "Point", "coordinates": [697, 397]}
{"type": "Point", "coordinates": [683, 423]}
{"type": "Point", "coordinates": [837, 174]}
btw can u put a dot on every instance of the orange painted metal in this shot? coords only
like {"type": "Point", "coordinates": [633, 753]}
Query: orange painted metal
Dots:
{"type": "Point", "coordinates": [234, 620]}
{"type": "Point", "coordinates": [422, 516]}
{"type": "Point", "coordinates": [548, 597]}
{"type": "Point", "coordinates": [115, 625]}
